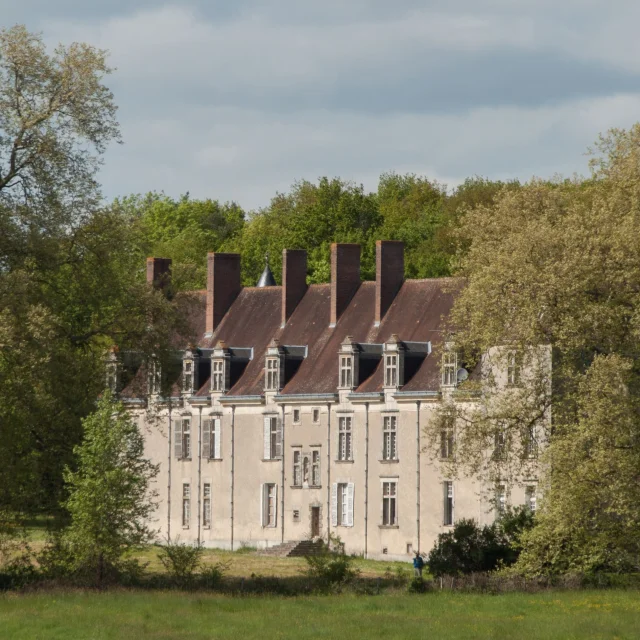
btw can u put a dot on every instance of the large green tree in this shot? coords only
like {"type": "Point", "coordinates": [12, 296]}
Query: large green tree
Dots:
{"type": "Point", "coordinates": [556, 266]}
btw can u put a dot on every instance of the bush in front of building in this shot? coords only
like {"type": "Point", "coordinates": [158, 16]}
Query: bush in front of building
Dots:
{"type": "Point", "coordinates": [329, 567]}
{"type": "Point", "coordinates": [469, 548]}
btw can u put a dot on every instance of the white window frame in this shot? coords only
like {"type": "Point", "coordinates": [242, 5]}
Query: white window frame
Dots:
{"type": "Point", "coordinates": [345, 439]}
{"type": "Point", "coordinates": [389, 503]}
{"type": "Point", "coordinates": [188, 376]}
{"type": "Point", "coordinates": [218, 375]}
{"type": "Point", "coordinates": [342, 501]}
{"type": "Point", "coordinates": [449, 505]}
{"type": "Point", "coordinates": [530, 497]}
{"type": "Point", "coordinates": [449, 368]}
{"type": "Point", "coordinates": [316, 478]}
{"type": "Point", "coordinates": [390, 437]}
{"type": "Point", "coordinates": [513, 368]}
{"type": "Point", "coordinates": [186, 505]}
{"type": "Point", "coordinates": [272, 374]}
{"type": "Point", "coordinates": [186, 439]}
{"type": "Point", "coordinates": [297, 467]}
{"type": "Point", "coordinates": [206, 505]}
{"type": "Point", "coordinates": [272, 432]}
{"type": "Point", "coordinates": [269, 505]}
{"type": "Point", "coordinates": [211, 438]}
{"type": "Point", "coordinates": [346, 371]}
{"type": "Point", "coordinates": [391, 370]}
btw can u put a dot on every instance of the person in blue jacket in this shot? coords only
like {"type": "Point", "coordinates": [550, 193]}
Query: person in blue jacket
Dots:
{"type": "Point", "coordinates": [418, 563]}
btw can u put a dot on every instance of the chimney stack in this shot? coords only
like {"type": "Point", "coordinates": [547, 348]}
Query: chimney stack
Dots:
{"type": "Point", "coordinates": [389, 275]}
{"type": "Point", "coordinates": [159, 272]}
{"type": "Point", "coordinates": [223, 286]}
{"type": "Point", "coordinates": [345, 277]}
{"type": "Point", "coordinates": [294, 280]}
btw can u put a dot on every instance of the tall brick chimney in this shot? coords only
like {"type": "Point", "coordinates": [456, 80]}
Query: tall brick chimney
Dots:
{"type": "Point", "coordinates": [294, 280]}
{"type": "Point", "coordinates": [389, 275]}
{"type": "Point", "coordinates": [159, 272]}
{"type": "Point", "coordinates": [345, 277]}
{"type": "Point", "coordinates": [223, 286]}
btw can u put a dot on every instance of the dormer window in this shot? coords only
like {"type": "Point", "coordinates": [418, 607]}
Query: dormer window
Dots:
{"type": "Point", "coordinates": [154, 380]}
{"type": "Point", "coordinates": [187, 377]}
{"type": "Point", "coordinates": [513, 369]}
{"type": "Point", "coordinates": [273, 374]}
{"type": "Point", "coordinates": [449, 368]}
{"type": "Point", "coordinates": [391, 371]}
{"type": "Point", "coordinates": [394, 363]}
{"type": "Point", "coordinates": [346, 372]}
{"type": "Point", "coordinates": [217, 376]}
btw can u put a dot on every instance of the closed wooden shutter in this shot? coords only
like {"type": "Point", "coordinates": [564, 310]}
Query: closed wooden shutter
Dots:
{"type": "Point", "coordinates": [263, 500]}
{"type": "Point", "coordinates": [216, 438]}
{"type": "Point", "coordinates": [206, 439]}
{"type": "Point", "coordinates": [177, 438]}
{"type": "Point", "coordinates": [278, 438]}
{"type": "Point", "coordinates": [349, 522]}
{"type": "Point", "coordinates": [334, 504]}
{"type": "Point", "coordinates": [267, 438]}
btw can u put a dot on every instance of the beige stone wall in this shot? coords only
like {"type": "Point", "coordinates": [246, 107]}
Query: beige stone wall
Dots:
{"type": "Point", "coordinates": [251, 471]}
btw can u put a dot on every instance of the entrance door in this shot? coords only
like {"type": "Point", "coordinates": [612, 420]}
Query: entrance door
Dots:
{"type": "Point", "coordinates": [315, 522]}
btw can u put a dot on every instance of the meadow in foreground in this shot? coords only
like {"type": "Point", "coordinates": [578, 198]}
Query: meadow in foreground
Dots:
{"type": "Point", "coordinates": [142, 615]}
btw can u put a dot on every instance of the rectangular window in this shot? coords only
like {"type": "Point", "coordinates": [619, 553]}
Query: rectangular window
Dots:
{"type": "Point", "coordinates": [501, 499]}
{"type": "Point", "coordinates": [211, 439]}
{"type": "Point", "coordinates": [297, 469]}
{"type": "Point", "coordinates": [529, 443]}
{"type": "Point", "coordinates": [316, 416]}
{"type": "Point", "coordinates": [186, 505]}
{"type": "Point", "coordinates": [346, 372]}
{"type": "Point", "coordinates": [154, 380]}
{"type": "Point", "coordinates": [448, 503]}
{"type": "Point", "coordinates": [391, 371]}
{"type": "Point", "coordinates": [389, 504]}
{"type": "Point", "coordinates": [206, 505]}
{"type": "Point", "coordinates": [296, 416]}
{"type": "Point", "coordinates": [187, 377]}
{"type": "Point", "coordinates": [183, 439]}
{"type": "Point", "coordinates": [500, 445]}
{"type": "Point", "coordinates": [315, 468]}
{"type": "Point", "coordinates": [344, 438]}
{"type": "Point", "coordinates": [273, 375]}
{"type": "Point", "coordinates": [272, 438]}
{"type": "Point", "coordinates": [217, 375]}
{"type": "Point", "coordinates": [446, 444]}
{"type": "Point", "coordinates": [342, 504]}
{"type": "Point", "coordinates": [269, 505]}
{"type": "Point", "coordinates": [513, 369]}
{"type": "Point", "coordinates": [389, 438]}
{"type": "Point", "coordinates": [449, 368]}
{"type": "Point", "coordinates": [530, 498]}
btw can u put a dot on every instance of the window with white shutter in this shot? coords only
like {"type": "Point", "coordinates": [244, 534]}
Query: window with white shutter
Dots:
{"type": "Point", "coordinates": [186, 505]}
{"type": "Point", "coordinates": [334, 504]}
{"type": "Point", "coordinates": [349, 518]}
{"type": "Point", "coordinates": [315, 469]}
{"type": "Point", "coordinates": [448, 503]}
{"type": "Point", "coordinates": [177, 438]}
{"type": "Point", "coordinates": [206, 505]}
{"type": "Point", "coordinates": [389, 504]}
{"type": "Point", "coordinates": [530, 498]}
{"type": "Point", "coordinates": [272, 438]}
{"type": "Point", "coordinates": [206, 438]}
{"type": "Point", "coordinates": [269, 504]}
{"type": "Point", "coordinates": [297, 474]}
{"type": "Point", "coordinates": [186, 439]}
{"type": "Point", "coordinates": [215, 438]}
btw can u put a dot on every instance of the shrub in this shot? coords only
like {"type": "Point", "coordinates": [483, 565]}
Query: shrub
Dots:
{"type": "Point", "coordinates": [330, 567]}
{"type": "Point", "coordinates": [181, 560]}
{"type": "Point", "coordinates": [472, 549]}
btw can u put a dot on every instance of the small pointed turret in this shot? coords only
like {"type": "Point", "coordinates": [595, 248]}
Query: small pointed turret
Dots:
{"type": "Point", "coordinates": [266, 279]}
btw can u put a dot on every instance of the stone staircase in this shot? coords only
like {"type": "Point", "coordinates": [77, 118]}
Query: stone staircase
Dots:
{"type": "Point", "coordinates": [293, 549]}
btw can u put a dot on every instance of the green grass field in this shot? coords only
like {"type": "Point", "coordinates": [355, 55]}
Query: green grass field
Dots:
{"type": "Point", "coordinates": [164, 615]}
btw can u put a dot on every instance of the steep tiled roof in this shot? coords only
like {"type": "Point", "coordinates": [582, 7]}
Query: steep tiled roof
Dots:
{"type": "Point", "coordinates": [254, 319]}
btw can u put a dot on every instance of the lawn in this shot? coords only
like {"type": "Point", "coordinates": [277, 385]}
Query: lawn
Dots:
{"type": "Point", "coordinates": [164, 615]}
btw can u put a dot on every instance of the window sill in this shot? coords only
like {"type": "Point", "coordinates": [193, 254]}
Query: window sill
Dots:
{"type": "Point", "coordinates": [184, 459]}
{"type": "Point", "coordinates": [388, 526]}
{"type": "Point", "coordinates": [206, 528]}
{"type": "Point", "coordinates": [309, 486]}
{"type": "Point", "coordinates": [185, 527]}
{"type": "Point", "coordinates": [271, 459]}
{"type": "Point", "coordinates": [344, 461]}
{"type": "Point", "coordinates": [394, 461]}
{"type": "Point", "coordinates": [213, 459]}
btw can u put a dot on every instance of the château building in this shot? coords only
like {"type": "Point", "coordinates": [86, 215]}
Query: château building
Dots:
{"type": "Point", "coordinates": [300, 411]}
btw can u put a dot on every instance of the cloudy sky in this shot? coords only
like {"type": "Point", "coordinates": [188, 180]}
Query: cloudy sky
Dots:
{"type": "Point", "coordinates": [236, 99]}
